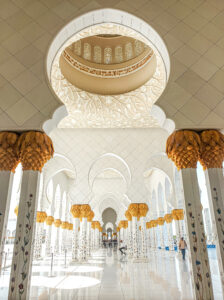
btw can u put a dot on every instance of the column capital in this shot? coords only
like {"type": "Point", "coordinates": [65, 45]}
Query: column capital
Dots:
{"type": "Point", "coordinates": [168, 218]}
{"type": "Point", "coordinates": [178, 214]}
{"type": "Point", "coordinates": [49, 220]}
{"type": "Point", "coordinates": [41, 216]}
{"type": "Point", "coordinates": [34, 150]}
{"type": "Point", "coordinates": [134, 209]}
{"type": "Point", "coordinates": [85, 210]}
{"type": "Point", "coordinates": [9, 158]}
{"type": "Point", "coordinates": [64, 225]}
{"type": "Point", "coordinates": [90, 216]}
{"type": "Point", "coordinates": [75, 210]}
{"type": "Point", "coordinates": [57, 223]}
{"type": "Point", "coordinates": [128, 215]}
{"type": "Point", "coordinates": [160, 221]}
{"type": "Point", "coordinates": [143, 209]}
{"type": "Point", "coordinates": [70, 226]}
{"type": "Point", "coordinates": [183, 147]}
{"type": "Point", "coordinates": [212, 149]}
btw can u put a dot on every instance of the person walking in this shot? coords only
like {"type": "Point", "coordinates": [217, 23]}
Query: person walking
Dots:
{"type": "Point", "coordinates": [123, 247]}
{"type": "Point", "coordinates": [183, 247]}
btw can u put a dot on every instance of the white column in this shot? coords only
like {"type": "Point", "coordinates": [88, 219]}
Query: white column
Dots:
{"type": "Point", "coordinates": [83, 240]}
{"type": "Point", "coordinates": [19, 285]}
{"type": "Point", "coordinates": [143, 253]}
{"type": "Point", "coordinates": [135, 237]}
{"type": "Point", "coordinates": [202, 284]}
{"type": "Point", "coordinates": [48, 248]}
{"type": "Point", "coordinates": [75, 239]}
{"type": "Point", "coordinates": [57, 241]}
{"type": "Point", "coordinates": [215, 187]}
{"type": "Point", "coordinates": [38, 241]}
{"type": "Point", "coordinates": [6, 182]}
{"type": "Point", "coordinates": [130, 249]}
{"type": "Point", "coordinates": [178, 233]}
{"type": "Point", "coordinates": [88, 243]}
{"type": "Point", "coordinates": [170, 236]}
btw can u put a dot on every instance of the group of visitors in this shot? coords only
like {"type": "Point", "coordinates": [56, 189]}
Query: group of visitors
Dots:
{"type": "Point", "coordinates": [182, 247]}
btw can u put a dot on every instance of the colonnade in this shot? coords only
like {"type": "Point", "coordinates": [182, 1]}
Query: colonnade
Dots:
{"type": "Point", "coordinates": [185, 148]}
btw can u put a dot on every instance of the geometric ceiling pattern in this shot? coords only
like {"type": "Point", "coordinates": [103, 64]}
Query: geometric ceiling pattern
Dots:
{"type": "Point", "coordinates": [191, 29]}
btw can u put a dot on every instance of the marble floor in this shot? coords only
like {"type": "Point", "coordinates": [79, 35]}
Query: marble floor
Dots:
{"type": "Point", "coordinates": [106, 277]}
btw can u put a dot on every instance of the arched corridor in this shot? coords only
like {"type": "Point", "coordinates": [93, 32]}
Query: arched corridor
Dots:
{"type": "Point", "coordinates": [111, 150]}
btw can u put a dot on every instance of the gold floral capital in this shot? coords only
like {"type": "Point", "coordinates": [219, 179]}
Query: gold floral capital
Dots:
{"type": "Point", "coordinates": [75, 210]}
{"type": "Point", "coordinates": [212, 149]}
{"type": "Point", "coordinates": [57, 223]}
{"type": "Point", "coordinates": [49, 220]}
{"type": "Point", "coordinates": [34, 150]}
{"type": "Point", "coordinates": [143, 209]}
{"type": "Point", "coordinates": [41, 216]}
{"type": "Point", "coordinates": [168, 218]}
{"type": "Point", "coordinates": [128, 215]}
{"type": "Point", "coordinates": [183, 147]}
{"type": "Point", "coordinates": [85, 210]}
{"type": "Point", "coordinates": [90, 216]}
{"type": "Point", "coordinates": [160, 221]}
{"type": "Point", "coordinates": [64, 225]}
{"type": "Point", "coordinates": [9, 158]}
{"type": "Point", "coordinates": [178, 214]}
{"type": "Point", "coordinates": [134, 209]}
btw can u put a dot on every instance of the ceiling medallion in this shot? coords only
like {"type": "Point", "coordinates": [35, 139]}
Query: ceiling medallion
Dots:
{"type": "Point", "coordinates": [94, 110]}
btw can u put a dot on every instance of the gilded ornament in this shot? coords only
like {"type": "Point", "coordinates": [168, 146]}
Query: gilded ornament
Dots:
{"type": "Point", "coordinates": [178, 214]}
{"type": "Point", "coordinates": [128, 215]}
{"type": "Point", "coordinates": [41, 216]}
{"type": "Point", "coordinates": [34, 150]}
{"type": "Point", "coordinates": [143, 209]}
{"type": "Point", "coordinates": [75, 210]}
{"type": "Point", "coordinates": [64, 225]}
{"type": "Point", "coordinates": [212, 149]}
{"type": "Point", "coordinates": [183, 147]}
{"type": "Point", "coordinates": [85, 210]}
{"type": "Point", "coordinates": [133, 209]}
{"type": "Point", "coordinates": [9, 158]}
{"type": "Point", "coordinates": [49, 220]}
{"type": "Point", "coordinates": [90, 216]}
{"type": "Point", "coordinates": [57, 223]}
{"type": "Point", "coordinates": [160, 221]}
{"type": "Point", "coordinates": [168, 218]}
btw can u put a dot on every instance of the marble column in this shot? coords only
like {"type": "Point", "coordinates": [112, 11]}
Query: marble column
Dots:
{"type": "Point", "coordinates": [6, 182]}
{"type": "Point", "coordinates": [8, 162]}
{"type": "Point", "coordinates": [130, 250]}
{"type": "Point", "coordinates": [215, 188]}
{"type": "Point", "coordinates": [75, 239]}
{"type": "Point", "coordinates": [75, 211]}
{"type": "Point", "coordinates": [143, 252]}
{"type": "Point", "coordinates": [135, 237]}
{"type": "Point", "coordinates": [57, 224]}
{"type": "Point", "coordinates": [84, 210]}
{"type": "Point", "coordinates": [48, 243]}
{"type": "Point", "coordinates": [168, 219]}
{"type": "Point", "coordinates": [35, 149]}
{"type": "Point", "coordinates": [161, 232]}
{"type": "Point", "coordinates": [184, 147]}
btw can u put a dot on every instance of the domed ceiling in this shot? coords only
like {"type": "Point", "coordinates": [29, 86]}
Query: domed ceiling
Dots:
{"type": "Point", "coordinates": [108, 64]}
{"type": "Point", "coordinates": [108, 76]}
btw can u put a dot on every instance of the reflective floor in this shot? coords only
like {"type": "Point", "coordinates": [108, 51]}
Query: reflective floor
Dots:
{"type": "Point", "coordinates": [106, 277]}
